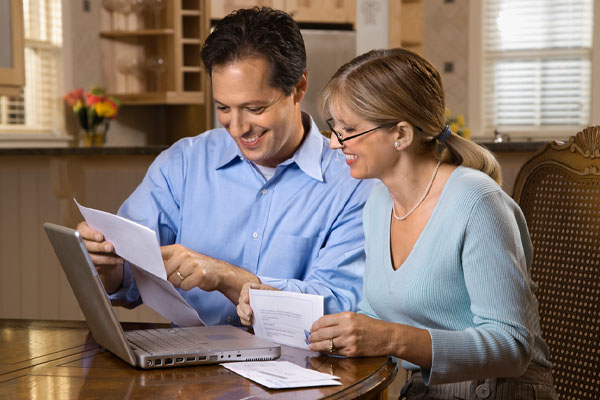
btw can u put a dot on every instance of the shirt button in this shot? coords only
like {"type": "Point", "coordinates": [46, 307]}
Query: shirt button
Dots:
{"type": "Point", "coordinates": [264, 191]}
{"type": "Point", "coordinates": [483, 391]}
{"type": "Point", "coordinates": [228, 319]}
{"type": "Point", "coordinates": [254, 235]}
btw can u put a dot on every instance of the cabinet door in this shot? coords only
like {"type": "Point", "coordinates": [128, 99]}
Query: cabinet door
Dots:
{"type": "Point", "coordinates": [323, 11]}
{"type": "Point", "coordinates": [220, 8]}
{"type": "Point", "coordinates": [12, 71]}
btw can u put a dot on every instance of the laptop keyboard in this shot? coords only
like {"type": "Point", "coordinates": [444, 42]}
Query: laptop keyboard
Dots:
{"type": "Point", "coordinates": [167, 341]}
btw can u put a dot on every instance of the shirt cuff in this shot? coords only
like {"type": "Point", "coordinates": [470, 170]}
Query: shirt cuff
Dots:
{"type": "Point", "coordinates": [121, 294]}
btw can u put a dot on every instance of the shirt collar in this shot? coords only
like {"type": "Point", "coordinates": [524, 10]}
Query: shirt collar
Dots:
{"type": "Point", "coordinates": [307, 157]}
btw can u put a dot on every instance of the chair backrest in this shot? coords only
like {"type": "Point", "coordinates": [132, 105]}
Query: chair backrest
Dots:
{"type": "Point", "coordinates": [558, 190]}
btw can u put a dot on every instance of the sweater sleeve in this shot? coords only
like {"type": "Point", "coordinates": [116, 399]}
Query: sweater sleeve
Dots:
{"type": "Point", "coordinates": [495, 256]}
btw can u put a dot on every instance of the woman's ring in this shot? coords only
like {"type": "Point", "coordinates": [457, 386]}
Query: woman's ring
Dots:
{"type": "Point", "coordinates": [180, 276]}
{"type": "Point", "coordinates": [331, 348]}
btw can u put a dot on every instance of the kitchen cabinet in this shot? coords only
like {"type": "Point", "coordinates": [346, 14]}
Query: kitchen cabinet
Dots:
{"type": "Point", "coordinates": [12, 65]}
{"type": "Point", "coordinates": [154, 58]}
{"type": "Point", "coordinates": [406, 24]}
{"type": "Point", "coordinates": [303, 11]}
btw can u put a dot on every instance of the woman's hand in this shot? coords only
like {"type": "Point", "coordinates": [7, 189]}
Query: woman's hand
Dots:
{"type": "Point", "coordinates": [244, 310]}
{"type": "Point", "coordinates": [351, 334]}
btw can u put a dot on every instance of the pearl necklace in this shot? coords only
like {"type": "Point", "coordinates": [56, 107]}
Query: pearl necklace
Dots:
{"type": "Point", "coordinates": [402, 218]}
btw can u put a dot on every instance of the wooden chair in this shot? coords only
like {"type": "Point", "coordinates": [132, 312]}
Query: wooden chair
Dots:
{"type": "Point", "coordinates": [558, 190]}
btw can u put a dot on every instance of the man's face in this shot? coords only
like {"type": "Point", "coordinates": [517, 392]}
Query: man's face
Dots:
{"type": "Point", "coordinates": [265, 123]}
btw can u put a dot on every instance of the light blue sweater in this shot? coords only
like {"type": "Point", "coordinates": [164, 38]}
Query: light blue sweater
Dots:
{"type": "Point", "coordinates": [466, 281]}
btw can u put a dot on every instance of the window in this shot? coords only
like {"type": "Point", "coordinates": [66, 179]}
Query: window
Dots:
{"type": "Point", "coordinates": [536, 67]}
{"type": "Point", "coordinates": [39, 108]}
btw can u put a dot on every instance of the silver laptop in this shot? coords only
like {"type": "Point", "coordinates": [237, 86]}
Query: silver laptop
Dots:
{"type": "Point", "coordinates": [149, 348]}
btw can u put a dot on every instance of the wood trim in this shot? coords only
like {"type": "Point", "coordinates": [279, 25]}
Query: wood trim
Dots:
{"type": "Point", "coordinates": [15, 76]}
{"type": "Point", "coordinates": [395, 24]}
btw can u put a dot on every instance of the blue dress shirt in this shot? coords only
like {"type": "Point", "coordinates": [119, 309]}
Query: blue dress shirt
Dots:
{"type": "Point", "coordinates": [300, 231]}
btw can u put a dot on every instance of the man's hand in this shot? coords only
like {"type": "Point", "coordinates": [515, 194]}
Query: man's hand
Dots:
{"type": "Point", "coordinates": [187, 269]}
{"type": "Point", "coordinates": [244, 310]}
{"type": "Point", "coordinates": [102, 253]}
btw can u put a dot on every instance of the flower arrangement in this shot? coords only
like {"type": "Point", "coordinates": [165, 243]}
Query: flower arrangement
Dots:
{"type": "Point", "coordinates": [457, 124]}
{"type": "Point", "coordinates": [94, 110]}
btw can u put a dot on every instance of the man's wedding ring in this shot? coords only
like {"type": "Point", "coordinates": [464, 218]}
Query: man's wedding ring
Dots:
{"type": "Point", "coordinates": [180, 276]}
{"type": "Point", "coordinates": [331, 348]}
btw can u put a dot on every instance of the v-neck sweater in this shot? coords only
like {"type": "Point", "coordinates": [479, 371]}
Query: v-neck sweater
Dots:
{"type": "Point", "coordinates": [466, 281]}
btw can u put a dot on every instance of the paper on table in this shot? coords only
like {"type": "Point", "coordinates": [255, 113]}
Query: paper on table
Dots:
{"type": "Point", "coordinates": [138, 245]}
{"type": "Point", "coordinates": [281, 374]}
{"type": "Point", "coordinates": [283, 317]}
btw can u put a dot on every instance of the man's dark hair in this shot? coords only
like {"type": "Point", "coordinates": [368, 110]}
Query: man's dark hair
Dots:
{"type": "Point", "coordinates": [259, 32]}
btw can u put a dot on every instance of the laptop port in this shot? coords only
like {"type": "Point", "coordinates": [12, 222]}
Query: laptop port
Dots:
{"type": "Point", "coordinates": [214, 358]}
{"type": "Point", "coordinates": [201, 358]}
{"type": "Point", "coordinates": [179, 360]}
{"type": "Point", "coordinates": [190, 359]}
{"type": "Point", "coordinates": [158, 361]}
{"type": "Point", "coordinates": [168, 361]}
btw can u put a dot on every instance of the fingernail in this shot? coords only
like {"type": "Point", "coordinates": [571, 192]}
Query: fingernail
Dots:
{"type": "Point", "coordinates": [107, 247]}
{"type": "Point", "coordinates": [98, 237]}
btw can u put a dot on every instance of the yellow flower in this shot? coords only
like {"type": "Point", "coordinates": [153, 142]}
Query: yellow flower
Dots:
{"type": "Point", "coordinates": [105, 109]}
{"type": "Point", "coordinates": [454, 127]}
{"type": "Point", "coordinates": [460, 119]}
{"type": "Point", "coordinates": [448, 113]}
{"type": "Point", "coordinates": [467, 133]}
{"type": "Point", "coordinates": [77, 105]}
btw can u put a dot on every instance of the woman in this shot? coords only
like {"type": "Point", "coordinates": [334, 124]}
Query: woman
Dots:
{"type": "Point", "coordinates": [447, 286]}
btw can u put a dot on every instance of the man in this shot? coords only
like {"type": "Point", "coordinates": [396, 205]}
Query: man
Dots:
{"type": "Point", "coordinates": [262, 201]}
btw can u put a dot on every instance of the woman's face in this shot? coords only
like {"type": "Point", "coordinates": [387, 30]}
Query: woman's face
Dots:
{"type": "Point", "coordinates": [371, 155]}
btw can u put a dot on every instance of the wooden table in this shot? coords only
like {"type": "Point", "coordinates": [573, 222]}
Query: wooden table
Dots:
{"type": "Point", "coordinates": [61, 360]}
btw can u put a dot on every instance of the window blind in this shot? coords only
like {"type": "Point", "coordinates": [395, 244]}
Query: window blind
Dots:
{"type": "Point", "coordinates": [537, 64]}
{"type": "Point", "coordinates": [39, 106]}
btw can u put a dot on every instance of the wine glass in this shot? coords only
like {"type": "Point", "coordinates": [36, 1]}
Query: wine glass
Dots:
{"type": "Point", "coordinates": [111, 7]}
{"type": "Point", "coordinates": [126, 7]}
{"type": "Point", "coordinates": [156, 64]}
{"type": "Point", "coordinates": [131, 68]}
{"type": "Point", "coordinates": [155, 6]}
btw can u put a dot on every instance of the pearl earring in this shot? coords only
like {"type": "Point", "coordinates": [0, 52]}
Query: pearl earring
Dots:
{"type": "Point", "coordinates": [397, 144]}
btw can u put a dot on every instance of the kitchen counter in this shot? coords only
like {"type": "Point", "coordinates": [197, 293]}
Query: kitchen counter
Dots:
{"type": "Point", "coordinates": [505, 147]}
{"type": "Point", "coordinates": [82, 151]}
{"type": "Point", "coordinates": [513, 147]}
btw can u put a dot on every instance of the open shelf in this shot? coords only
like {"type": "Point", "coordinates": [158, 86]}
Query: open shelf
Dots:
{"type": "Point", "coordinates": [156, 60]}
{"type": "Point", "coordinates": [136, 33]}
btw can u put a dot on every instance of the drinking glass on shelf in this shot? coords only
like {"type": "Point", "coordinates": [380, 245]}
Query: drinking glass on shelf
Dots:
{"type": "Point", "coordinates": [156, 65]}
{"type": "Point", "coordinates": [112, 7]}
{"type": "Point", "coordinates": [155, 6]}
{"type": "Point", "coordinates": [127, 7]}
{"type": "Point", "coordinates": [131, 68]}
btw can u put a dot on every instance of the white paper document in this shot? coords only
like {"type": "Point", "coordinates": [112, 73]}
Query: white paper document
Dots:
{"type": "Point", "coordinates": [284, 317]}
{"type": "Point", "coordinates": [281, 374]}
{"type": "Point", "coordinates": [139, 246]}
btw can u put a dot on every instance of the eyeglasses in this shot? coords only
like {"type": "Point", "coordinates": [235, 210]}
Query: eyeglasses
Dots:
{"type": "Point", "coordinates": [339, 136]}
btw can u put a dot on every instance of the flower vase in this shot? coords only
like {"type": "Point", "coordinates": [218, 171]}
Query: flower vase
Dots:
{"type": "Point", "coordinates": [92, 139]}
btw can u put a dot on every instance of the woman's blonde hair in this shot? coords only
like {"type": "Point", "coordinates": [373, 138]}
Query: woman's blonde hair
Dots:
{"type": "Point", "coordinates": [388, 86]}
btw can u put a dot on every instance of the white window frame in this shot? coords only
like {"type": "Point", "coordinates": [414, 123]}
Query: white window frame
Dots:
{"type": "Point", "coordinates": [39, 136]}
{"type": "Point", "coordinates": [475, 82]}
